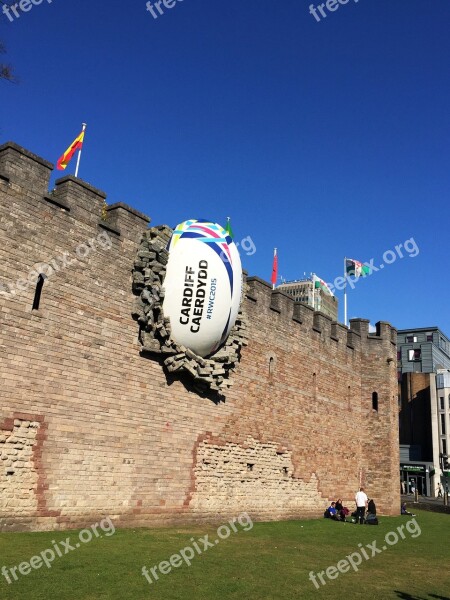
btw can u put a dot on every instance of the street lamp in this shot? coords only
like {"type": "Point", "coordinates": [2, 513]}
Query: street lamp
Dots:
{"type": "Point", "coordinates": [443, 462]}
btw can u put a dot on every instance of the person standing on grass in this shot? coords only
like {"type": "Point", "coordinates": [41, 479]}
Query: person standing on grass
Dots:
{"type": "Point", "coordinates": [361, 504]}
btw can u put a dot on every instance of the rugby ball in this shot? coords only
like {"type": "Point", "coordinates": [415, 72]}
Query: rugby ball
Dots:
{"type": "Point", "coordinates": [203, 285]}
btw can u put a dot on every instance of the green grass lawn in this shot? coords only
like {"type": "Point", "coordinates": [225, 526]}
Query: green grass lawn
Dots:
{"type": "Point", "coordinates": [269, 561]}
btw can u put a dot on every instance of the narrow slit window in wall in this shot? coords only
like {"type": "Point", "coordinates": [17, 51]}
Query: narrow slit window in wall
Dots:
{"type": "Point", "coordinates": [375, 401]}
{"type": "Point", "coordinates": [37, 293]}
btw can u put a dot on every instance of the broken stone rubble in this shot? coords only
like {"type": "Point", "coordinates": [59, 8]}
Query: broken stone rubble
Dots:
{"type": "Point", "coordinates": [210, 373]}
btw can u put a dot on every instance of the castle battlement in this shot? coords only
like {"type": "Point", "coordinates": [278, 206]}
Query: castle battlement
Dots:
{"type": "Point", "coordinates": [109, 431]}
{"type": "Point", "coordinates": [85, 203]}
{"type": "Point", "coordinates": [317, 324]}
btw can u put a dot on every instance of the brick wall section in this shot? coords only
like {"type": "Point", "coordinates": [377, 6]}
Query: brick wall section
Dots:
{"type": "Point", "coordinates": [119, 437]}
{"type": "Point", "coordinates": [255, 475]}
{"type": "Point", "coordinates": [18, 472]}
{"type": "Point", "coordinates": [381, 458]}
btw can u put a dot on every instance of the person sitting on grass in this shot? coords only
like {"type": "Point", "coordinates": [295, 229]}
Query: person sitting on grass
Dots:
{"type": "Point", "coordinates": [371, 517]}
{"type": "Point", "coordinates": [332, 512]}
{"type": "Point", "coordinates": [406, 512]}
{"type": "Point", "coordinates": [341, 510]}
{"type": "Point", "coordinates": [371, 507]}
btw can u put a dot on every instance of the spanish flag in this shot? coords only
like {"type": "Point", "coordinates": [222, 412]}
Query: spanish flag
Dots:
{"type": "Point", "coordinates": [64, 160]}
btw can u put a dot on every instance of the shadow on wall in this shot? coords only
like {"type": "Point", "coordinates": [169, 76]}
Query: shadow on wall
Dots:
{"type": "Point", "coordinates": [189, 385]}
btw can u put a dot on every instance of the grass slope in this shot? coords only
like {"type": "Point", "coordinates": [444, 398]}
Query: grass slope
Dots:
{"type": "Point", "coordinates": [269, 561]}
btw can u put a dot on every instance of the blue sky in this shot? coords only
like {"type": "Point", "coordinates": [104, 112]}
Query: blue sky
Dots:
{"type": "Point", "coordinates": [325, 139]}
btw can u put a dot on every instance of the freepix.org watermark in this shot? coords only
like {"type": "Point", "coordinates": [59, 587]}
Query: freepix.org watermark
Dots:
{"type": "Point", "coordinates": [155, 9]}
{"type": "Point", "coordinates": [59, 549]}
{"type": "Point", "coordinates": [319, 11]}
{"type": "Point", "coordinates": [56, 264]}
{"type": "Point", "coordinates": [247, 245]}
{"type": "Point", "coordinates": [13, 11]}
{"type": "Point", "coordinates": [202, 544]}
{"type": "Point", "coordinates": [355, 559]}
{"type": "Point", "coordinates": [408, 249]}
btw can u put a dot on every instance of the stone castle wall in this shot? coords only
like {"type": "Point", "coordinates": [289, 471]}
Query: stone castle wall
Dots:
{"type": "Point", "coordinates": [89, 426]}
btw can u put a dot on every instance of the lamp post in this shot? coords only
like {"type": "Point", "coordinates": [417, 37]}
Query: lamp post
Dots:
{"type": "Point", "coordinates": [443, 462]}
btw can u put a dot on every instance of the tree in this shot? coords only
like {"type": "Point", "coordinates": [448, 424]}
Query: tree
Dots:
{"type": "Point", "coordinates": [6, 71]}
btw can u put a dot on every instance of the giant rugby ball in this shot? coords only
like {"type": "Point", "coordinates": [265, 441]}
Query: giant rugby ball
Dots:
{"type": "Point", "coordinates": [203, 285]}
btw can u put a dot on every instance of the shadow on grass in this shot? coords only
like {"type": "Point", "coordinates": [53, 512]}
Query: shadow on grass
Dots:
{"type": "Point", "coordinates": [406, 596]}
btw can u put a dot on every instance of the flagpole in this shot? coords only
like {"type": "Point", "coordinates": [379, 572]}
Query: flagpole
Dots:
{"type": "Point", "coordinates": [345, 292]}
{"type": "Point", "coordinates": [274, 254]}
{"type": "Point", "coordinates": [314, 291]}
{"type": "Point", "coordinates": [79, 155]}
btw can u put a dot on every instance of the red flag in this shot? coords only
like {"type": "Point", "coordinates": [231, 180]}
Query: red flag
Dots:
{"type": "Point", "coordinates": [275, 268]}
{"type": "Point", "coordinates": [77, 144]}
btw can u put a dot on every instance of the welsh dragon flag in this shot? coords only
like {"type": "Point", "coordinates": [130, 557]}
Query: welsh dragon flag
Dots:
{"type": "Point", "coordinates": [321, 284]}
{"type": "Point", "coordinates": [356, 268]}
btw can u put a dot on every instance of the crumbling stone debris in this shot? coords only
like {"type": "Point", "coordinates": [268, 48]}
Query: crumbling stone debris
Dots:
{"type": "Point", "coordinates": [212, 373]}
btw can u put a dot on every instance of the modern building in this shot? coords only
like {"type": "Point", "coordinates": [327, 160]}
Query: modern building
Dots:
{"type": "Point", "coordinates": [314, 292]}
{"type": "Point", "coordinates": [423, 362]}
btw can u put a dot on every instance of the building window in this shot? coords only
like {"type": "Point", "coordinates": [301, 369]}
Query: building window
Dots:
{"type": "Point", "coordinates": [443, 432]}
{"type": "Point", "coordinates": [429, 337]}
{"type": "Point", "coordinates": [449, 400]}
{"type": "Point", "coordinates": [38, 291]}
{"type": "Point", "coordinates": [375, 401]}
{"type": "Point", "coordinates": [411, 338]}
{"type": "Point", "coordinates": [414, 354]}
{"type": "Point", "coordinates": [442, 402]}
{"type": "Point", "coordinates": [399, 355]}
{"type": "Point", "coordinates": [444, 446]}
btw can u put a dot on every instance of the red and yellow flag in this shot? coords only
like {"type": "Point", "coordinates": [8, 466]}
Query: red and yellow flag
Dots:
{"type": "Point", "coordinates": [64, 160]}
{"type": "Point", "coordinates": [274, 268]}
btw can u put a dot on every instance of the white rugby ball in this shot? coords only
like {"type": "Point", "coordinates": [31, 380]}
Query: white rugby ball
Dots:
{"type": "Point", "coordinates": [203, 285]}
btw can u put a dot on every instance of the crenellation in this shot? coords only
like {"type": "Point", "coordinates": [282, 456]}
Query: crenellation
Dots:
{"type": "Point", "coordinates": [361, 326]}
{"type": "Point", "coordinates": [354, 340]}
{"type": "Point", "coordinates": [57, 201]}
{"type": "Point", "coordinates": [84, 200]}
{"type": "Point", "coordinates": [282, 303]}
{"type": "Point", "coordinates": [97, 427]}
{"type": "Point", "coordinates": [384, 330]}
{"type": "Point", "coordinates": [127, 220]}
{"type": "Point", "coordinates": [260, 290]}
{"type": "Point", "coordinates": [24, 168]}
{"type": "Point", "coordinates": [305, 314]}
{"type": "Point", "coordinates": [382, 336]}
{"type": "Point", "coordinates": [339, 333]}
{"type": "Point", "coordinates": [322, 323]}
{"type": "Point", "coordinates": [394, 336]}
